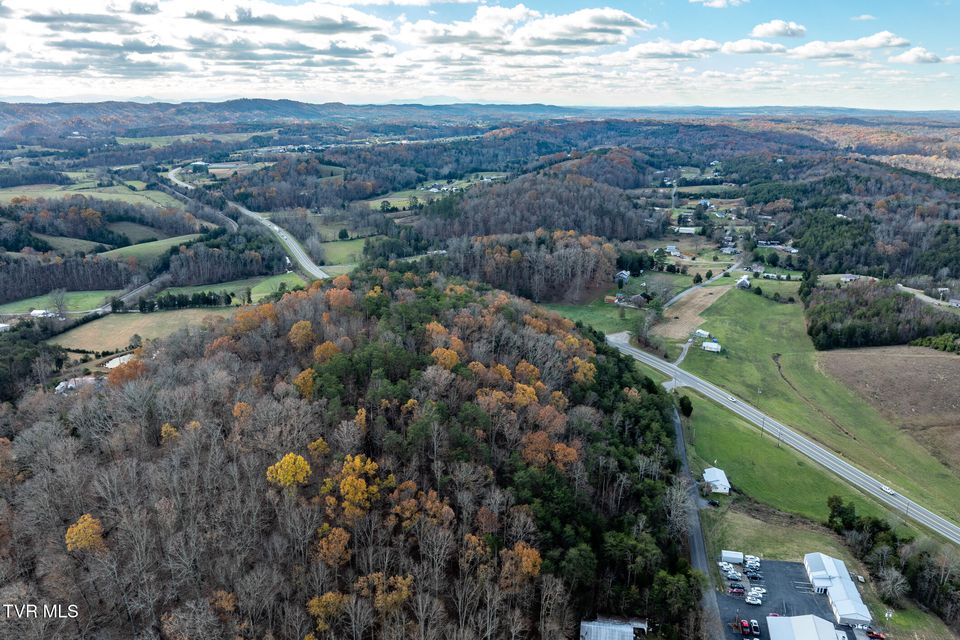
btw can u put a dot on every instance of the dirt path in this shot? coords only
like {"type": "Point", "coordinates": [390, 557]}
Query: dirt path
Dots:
{"type": "Point", "coordinates": [682, 318]}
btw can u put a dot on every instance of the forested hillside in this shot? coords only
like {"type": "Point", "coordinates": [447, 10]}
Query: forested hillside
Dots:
{"type": "Point", "coordinates": [394, 456]}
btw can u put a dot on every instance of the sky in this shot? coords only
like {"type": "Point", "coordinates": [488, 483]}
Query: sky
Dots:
{"type": "Point", "coordinates": [867, 54]}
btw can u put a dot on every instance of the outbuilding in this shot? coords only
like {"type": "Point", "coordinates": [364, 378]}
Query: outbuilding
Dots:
{"type": "Point", "coordinates": [4, 327]}
{"type": "Point", "coordinates": [807, 627]}
{"type": "Point", "coordinates": [829, 575]}
{"type": "Point", "coordinates": [716, 479]}
{"type": "Point", "coordinates": [625, 629]}
{"type": "Point", "coordinates": [712, 347]}
{"type": "Point", "coordinates": [700, 333]}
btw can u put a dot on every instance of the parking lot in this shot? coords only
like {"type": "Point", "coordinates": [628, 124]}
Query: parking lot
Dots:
{"type": "Point", "coordinates": [788, 593]}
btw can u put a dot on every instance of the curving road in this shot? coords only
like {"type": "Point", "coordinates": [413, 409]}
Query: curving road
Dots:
{"type": "Point", "coordinates": [831, 461]}
{"type": "Point", "coordinates": [289, 243]}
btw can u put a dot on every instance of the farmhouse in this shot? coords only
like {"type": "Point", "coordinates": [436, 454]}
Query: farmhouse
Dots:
{"type": "Point", "coordinates": [716, 479]}
{"type": "Point", "coordinates": [700, 333]}
{"type": "Point", "coordinates": [829, 575]}
{"type": "Point", "coordinates": [743, 282]}
{"type": "Point", "coordinates": [848, 278]}
{"type": "Point", "coordinates": [622, 276]}
{"type": "Point", "coordinates": [75, 383]}
{"type": "Point", "coordinates": [712, 347]}
{"type": "Point", "coordinates": [807, 627]}
{"type": "Point", "coordinates": [729, 251]}
{"type": "Point", "coordinates": [41, 313]}
{"type": "Point", "coordinates": [627, 629]}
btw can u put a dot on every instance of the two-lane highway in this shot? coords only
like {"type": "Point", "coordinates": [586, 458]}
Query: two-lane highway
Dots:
{"type": "Point", "coordinates": [289, 243]}
{"type": "Point", "coordinates": [827, 459]}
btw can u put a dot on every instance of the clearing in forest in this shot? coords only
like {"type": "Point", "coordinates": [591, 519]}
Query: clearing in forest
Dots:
{"type": "Point", "coordinates": [916, 388]}
{"type": "Point", "coordinates": [682, 318]}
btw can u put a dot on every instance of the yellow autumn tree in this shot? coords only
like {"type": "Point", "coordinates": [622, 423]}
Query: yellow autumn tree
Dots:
{"type": "Point", "coordinates": [292, 469]}
{"type": "Point", "coordinates": [523, 395]}
{"type": "Point", "coordinates": [168, 433]}
{"type": "Point", "coordinates": [242, 410]}
{"type": "Point", "coordinates": [526, 372]}
{"type": "Point", "coordinates": [301, 335]}
{"type": "Point", "coordinates": [318, 448]}
{"type": "Point", "coordinates": [584, 371]}
{"type": "Point", "coordinates": [326, 608]}
{"type": "Point", "coordinates": [304, 383]}
{"type": "Point", "coordinates": [86, 534]}
{"type": "Point", "coordinates": [388, 593]}
{"type": "Point", "coordinates": [519, 565]}
{"type": "Point", "coordinates": [446, 358]}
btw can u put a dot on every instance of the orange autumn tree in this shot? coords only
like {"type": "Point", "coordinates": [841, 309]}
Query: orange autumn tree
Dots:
{"type": "Point", "coordinates": [519, 565]}
{"type": "Point", "coordinates": [333, 546]}
{"type": "Point", "coordinates": [304, 383]}
{"type": "Point", "coordinates": [357, 485]}
{"type": "Point", "coordinates": [326, 608]}
{"type": "Point", "coordinates": [389, 593]}
{"type": "Point", "coordinates": [446, 358]}
{"type": "Point", "coordinates": [325, 351]}
{"type": "Point", "coordinates": [126, 372]}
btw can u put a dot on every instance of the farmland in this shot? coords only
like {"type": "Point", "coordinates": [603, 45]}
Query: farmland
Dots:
{"type": "Point", "coordinates": [163, 141]}
{"type": "Point", "coordinates": [259, 287]}
{"type": "Point", "coordinates": [917, 389]}
{"type": "Point", "coordinates": [75, 301]}
{"type": "Point", "coordinates": [149, 250]}
{"type": "Point", "coordinates": [122, 194]}
{"type": "Point", "coordinates": [137, 232]}
{"type": "Point", "coordinates": [683, 317]}
{"type": "Point", "coordinates": [343, 251]}
{"type": "Point", "coordinates": [115, 330]}
{"type": "Point", "coordinates": [68, 245]}
{"type": "Point", "coordinates": [769, 361]}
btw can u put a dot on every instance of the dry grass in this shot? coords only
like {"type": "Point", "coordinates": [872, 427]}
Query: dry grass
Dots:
{"type": "Point", "coordinates": [115, 330]}
{"type": "Point", "coordinates": [917, 389]}
{"type": "Point", "coordinates": [681, 319]}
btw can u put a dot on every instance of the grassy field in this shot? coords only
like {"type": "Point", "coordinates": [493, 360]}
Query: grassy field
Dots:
{"type": "Point", "coordinates": [338, 269]}
{"type": "Point", "coordinates": [758, 468]}
{"type": "Point", "coordinates": [769, 361]}
{"type": "Point", "coordinates": [344, 251]}
{"type": "Point", "coordinates": [602, 316]}
{"type": "Point", "coordinates": [149, 250]}
{"type": "Point", "coordinates": [75, 300]}
{"type": "Point", "coordinates": [259, 287]}
{"type": "Point", "coordinates": [137, 232]}
{"type": "Point", "coordinates": [68, 245]}
{"type": "Point", "coordinates": [401, 199]}
{"type": "Point", "coordinates": [89, 189]}
{"type": "Point", "coordinates": [115, 330]}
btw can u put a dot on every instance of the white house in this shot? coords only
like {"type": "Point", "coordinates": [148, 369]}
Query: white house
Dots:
{"type": "Point", "coordinates": [807, 627]}
{"type": "Point", "coordinates": [624, 276]}
{"type": "Point", "coordinates": [75, 383]}
{"type": "Point", "coordinates": [627, 629]}
{"type": "Point", "coordinates": [41, 313]}
{"type": "Point", "coordinates": [743, 282]}
{"type": "Point", "coordinates": [717, 480]}
{"type": "Point", "coordinates": [829, 575]}
{"type": "Point", "coordinates": [849, 277]}
{"type": "Point", "coordinates": [700, 333]}
{"type": "Point", "coordinates": [712, 347]}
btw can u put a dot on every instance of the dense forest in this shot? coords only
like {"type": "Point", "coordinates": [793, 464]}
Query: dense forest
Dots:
{"type": "Point", "coordinates": [870, 314]}
{"type": "Point", "coordinates": [389, 457]}
{"type": "Point", "coordinates": [25, 278]}
{"type": "Point", "coordinates": [541, 265]}
{"type": "Point", "coordinates": [218, 256]}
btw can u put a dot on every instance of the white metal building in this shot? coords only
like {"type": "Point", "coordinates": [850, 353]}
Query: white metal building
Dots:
{"type": "Point", "coordinates": [829, 575]}
{"type": "Point", "coordinates": [733, 557]}
{"type": "Point", "coordinates": [713, 347]}
{"type": "Point", "coordinates": [612, 629]}
{"type": "Point", "coordinates": [802, 628]}
{"type": "Point", "coordinates": [717, 480]}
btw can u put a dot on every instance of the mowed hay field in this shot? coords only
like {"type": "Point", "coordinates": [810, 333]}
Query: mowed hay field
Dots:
{"type": "Point", "coordinates": [769, 361]}
{"type": "Point", "coordinates": [916, 388]}
{"type": "Point", "coordinates": [148, 250]}
{"type": "Point", "coordinates": [75, 301]}
{"type": "Point", "coordinates": [115, 330]}
{"type": "Point", "coordinates": [683, 317]}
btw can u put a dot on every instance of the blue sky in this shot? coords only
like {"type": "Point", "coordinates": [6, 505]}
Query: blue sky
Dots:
{"type": "Point", "coordinates": [678, 52]}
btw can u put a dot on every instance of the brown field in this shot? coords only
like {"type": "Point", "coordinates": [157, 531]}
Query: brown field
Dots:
{"type": "Point", "coordinates": [682, 318]}
{"type": "Point", "coordinates": [917, 389]}
{"type": "Point", "coordinates": [114, 331]}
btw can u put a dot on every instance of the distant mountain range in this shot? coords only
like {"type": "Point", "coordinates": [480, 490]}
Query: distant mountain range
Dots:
{"type": "Point", "coordinates": [115, 117]}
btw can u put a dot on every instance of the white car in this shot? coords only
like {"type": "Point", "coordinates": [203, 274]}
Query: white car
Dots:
{"type": "Point", "coordinates": [888, 490]}
{"type": "Point", "coordinates": [758, 590]}
{"type": "Point", "coordinates": [749, 558]}
{"type": "Point", "coordinates": [753, 600]}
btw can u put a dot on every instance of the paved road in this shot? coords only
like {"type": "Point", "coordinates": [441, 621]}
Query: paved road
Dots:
{"type": "Point", "coordinates": [297, 253]}
{"type": "Point", "coordinates": [922, 297]}
{"type": "Point", "coordinates": [224, 220]}
{"type": "Point", "coordinates": [289, 243]}
{"type": "Point", "coordinates": [831, 461]}
{"type": "Point", "coordinates": [683, 294]}
{"type": "Point", "coordinates": [695, 539]}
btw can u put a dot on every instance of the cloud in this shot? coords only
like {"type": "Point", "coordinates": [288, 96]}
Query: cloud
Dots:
{"type": "Point", "coordinates": [848, 48]}
{"type": "Point", "coordinates": [751, 46]}
{"type": "Point", "coordinates": [778, 29]}
{"type": "Point", "coordinates": [666, 49]}
{"type": "Point", "coordinates": [129, 45]}
{"type": "Point", "coordinates": [83, 22]}
{"type": "Point", "coordinates": [144, 8]}
{"type": "Point", "coordinates": [719, 4]}
{"type": "Point", "coordinates": [338, 21]}
{"type": "Point", "coordinates": [4, 11]}
{"type": "Point", "coordinates": [586, 27]}
{"type": "Point", "coordinates": [916, 55]}
{"type": "Point", "coordinates": [489, 25]}
{"type": "Point", "coordinates": [864, 17]}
